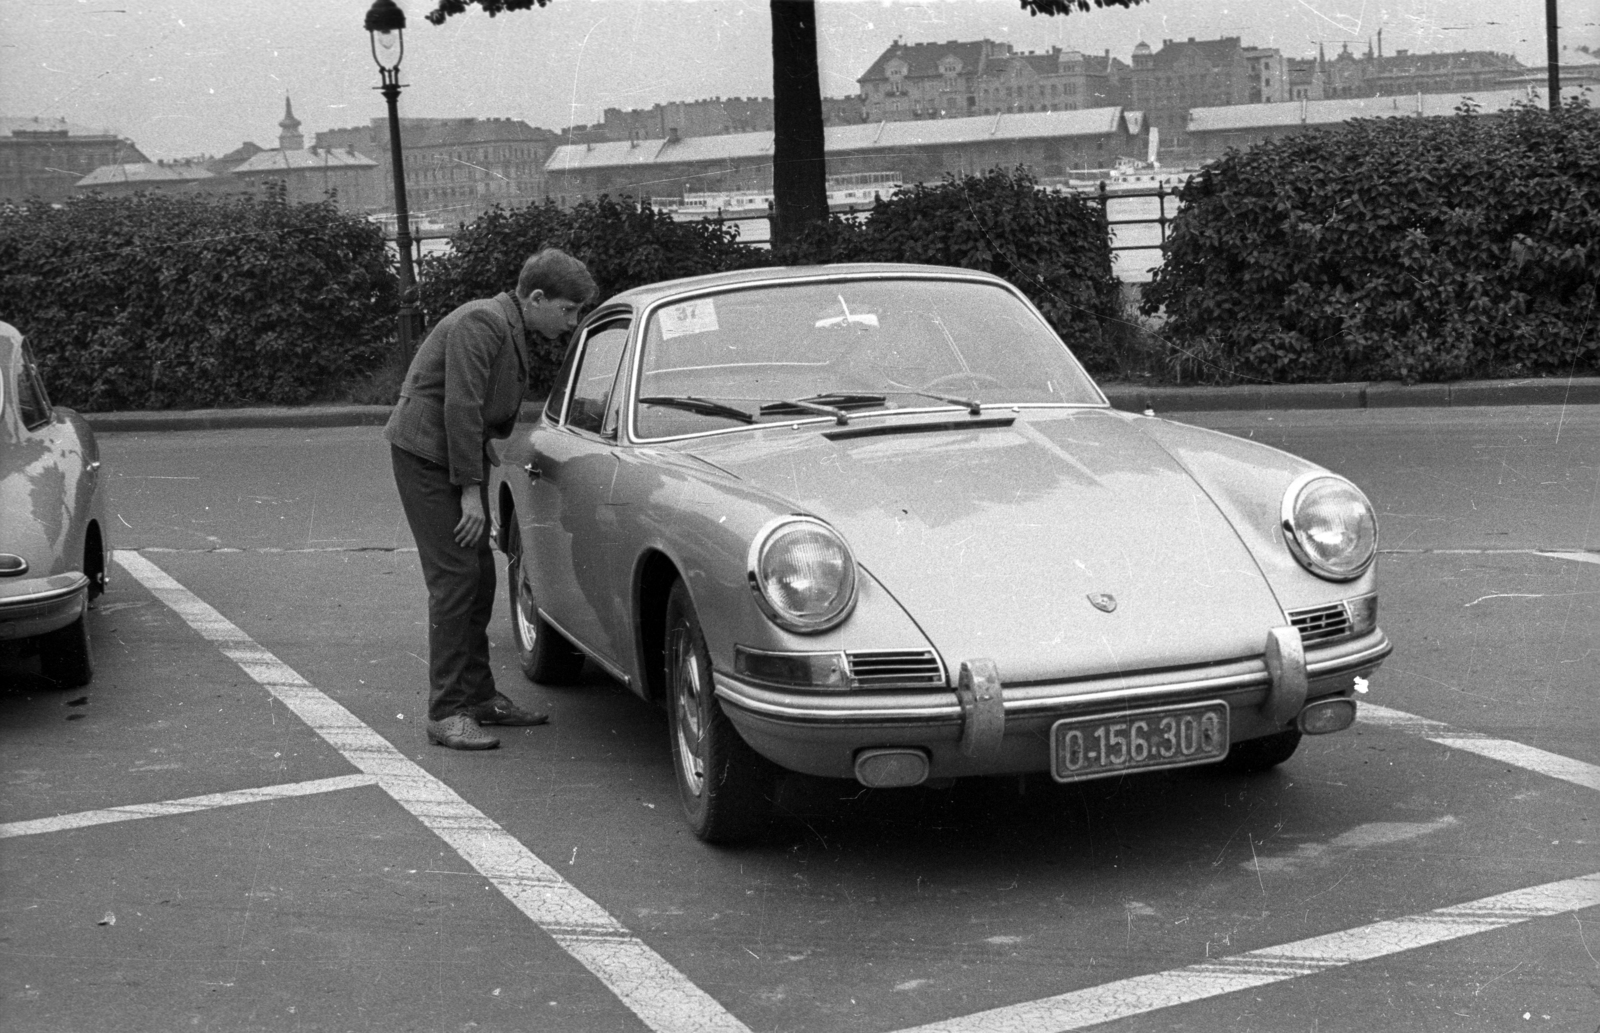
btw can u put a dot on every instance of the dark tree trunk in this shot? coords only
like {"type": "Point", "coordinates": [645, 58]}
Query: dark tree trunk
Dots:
{"type": "Point", "coordinates": [799, 170]}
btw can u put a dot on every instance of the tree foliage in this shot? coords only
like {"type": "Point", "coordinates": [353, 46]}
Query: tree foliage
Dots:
{"type": "Point", "coordinates": [1398, 248]}
{"type": "Point", "coordinates": [154, 302]}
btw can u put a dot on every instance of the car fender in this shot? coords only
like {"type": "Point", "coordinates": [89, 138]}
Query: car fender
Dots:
{"type": "Point", "coordinates": [701, 522]}
{"type": "Point", "coordinates": [1247, 481]}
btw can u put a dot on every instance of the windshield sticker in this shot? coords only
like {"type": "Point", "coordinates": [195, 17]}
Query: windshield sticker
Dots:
{"type": "Point", "coordinates": [691, 317]}
{"type": "Point", "coordinates": [849, 318]}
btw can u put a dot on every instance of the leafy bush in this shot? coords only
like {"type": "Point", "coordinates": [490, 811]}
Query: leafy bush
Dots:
{"type": "Point", "coordinates": [152, 302]}
{"type": "Point", "coordinates": [1398, 248]}
{"type": "Point", "coordinates": [1052, 246]}
{"type": "Point", "coordinates": [625, 244]}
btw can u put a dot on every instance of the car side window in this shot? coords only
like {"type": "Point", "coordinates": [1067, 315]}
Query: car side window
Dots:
{"type": "Point", "coordinates": [563, 380]}
{"type": "Point", "coordinates": [597, 376]}
{"type": "Point", "coordinates": [33, 404]}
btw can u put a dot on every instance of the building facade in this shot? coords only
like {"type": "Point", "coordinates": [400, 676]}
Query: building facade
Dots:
{"type": "Point", "coordinates": [44, 159]}
{"type": "Point", "coordinates": [716, 116]}
{"type": "Point", "coordinates": [1184, 75]}
{"type": "Point", "coordinates": [311, 173]}
{"type": "Point", "coordinates": [456, 168]}
{"type": "Point", "coordinates": [956, 79]}
{"type": "Point", "coordinates": [1375, 75]}
{"type": "Point", "coordinates": [1051, 144]}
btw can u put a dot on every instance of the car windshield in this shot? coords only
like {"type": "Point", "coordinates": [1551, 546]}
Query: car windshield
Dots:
{"type": "Point", "coordinates": [777, 352]}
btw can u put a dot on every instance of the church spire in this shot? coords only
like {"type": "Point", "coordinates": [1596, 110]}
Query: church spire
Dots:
{"type": "Point", "coordinates": [289, 138]}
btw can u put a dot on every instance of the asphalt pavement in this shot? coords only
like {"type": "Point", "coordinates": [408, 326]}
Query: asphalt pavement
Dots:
{"type": "Point", "coordinates": [240, 825]}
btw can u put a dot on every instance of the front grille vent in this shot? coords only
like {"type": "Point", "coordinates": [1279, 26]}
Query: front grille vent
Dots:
{"type": "Point", "coordinates": [1321, 623]}
{"type": "Point", "coordinates": [895, 668]}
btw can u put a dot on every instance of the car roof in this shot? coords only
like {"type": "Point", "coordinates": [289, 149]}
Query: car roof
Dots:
{"type": "Point", "coordinates": [652, 292]}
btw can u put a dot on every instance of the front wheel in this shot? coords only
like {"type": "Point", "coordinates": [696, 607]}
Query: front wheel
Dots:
{"type": "Point", "coordinates": [725, 786]}
{"type": "Point", "coordinates": [544, 656]}
{"type": "Point", "coordinates": [64, 654]}
{"type": "Point", "coordinates": [1261, 754]}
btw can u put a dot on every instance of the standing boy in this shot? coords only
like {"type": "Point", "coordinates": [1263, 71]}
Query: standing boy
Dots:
{"type": "Point", "coordinates": [465, 386]}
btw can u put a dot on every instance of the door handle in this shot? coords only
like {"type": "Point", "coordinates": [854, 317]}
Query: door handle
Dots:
{"type": "Point", "coordinates": [532, 470]}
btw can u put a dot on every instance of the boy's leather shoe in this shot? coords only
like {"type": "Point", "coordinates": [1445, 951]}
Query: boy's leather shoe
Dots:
{"type": "Point", "coordinates": [500, 710]}
{"type": "Point", "coordinates": [460, 732]}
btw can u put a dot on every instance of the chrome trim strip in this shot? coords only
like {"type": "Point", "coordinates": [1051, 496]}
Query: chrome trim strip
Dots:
{"type": "Point", "coordinates": [1199, 686]}
{"type": "Point", "coordinates": [757, 700]}
{"type": "Point", "coordinates": [608, 666]}
{"type": "Point", "coordinates": [49, 595]}
{"type": "Point", "coordinates": [1334, 665]}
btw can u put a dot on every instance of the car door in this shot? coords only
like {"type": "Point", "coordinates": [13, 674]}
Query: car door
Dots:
{"type": "Point", "coordinates": [569, 525]}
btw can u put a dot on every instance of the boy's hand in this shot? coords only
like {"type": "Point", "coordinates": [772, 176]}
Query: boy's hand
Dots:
{"type": "Point", "coordinates": [472, 523]}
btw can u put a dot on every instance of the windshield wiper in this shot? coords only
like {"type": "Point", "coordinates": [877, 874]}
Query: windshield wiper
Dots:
{"type": "Point", "coordinates": [972, 405]}
{"type": "Point", "coordinates": [703, 406]}
{"type": "Point", "coordinates": [830, 403]}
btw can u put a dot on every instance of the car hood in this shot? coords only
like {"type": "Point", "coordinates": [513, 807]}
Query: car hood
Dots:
{"type": "Point", "coordinates": [995, 538]}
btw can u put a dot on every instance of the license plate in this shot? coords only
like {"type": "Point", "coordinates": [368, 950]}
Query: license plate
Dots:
{"type": "Point", "coordinates": [1161, 737]}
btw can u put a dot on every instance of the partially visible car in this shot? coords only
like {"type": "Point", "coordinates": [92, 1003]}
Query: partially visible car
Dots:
{"type": "Point", "coordinates": [53, 544]}
{"type": "Point", "coordinates": [876, 522]}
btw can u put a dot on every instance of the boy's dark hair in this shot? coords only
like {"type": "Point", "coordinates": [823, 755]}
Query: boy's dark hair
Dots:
{"type": "Point", "coordinates": [558, 274]}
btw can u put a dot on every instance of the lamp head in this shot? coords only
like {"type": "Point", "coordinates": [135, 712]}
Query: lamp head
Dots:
{"type": "Point", "coordinates": [386, 23]}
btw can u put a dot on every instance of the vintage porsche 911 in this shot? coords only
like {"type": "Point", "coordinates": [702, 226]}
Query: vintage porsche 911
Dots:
{"type": "Point", "coordinates": [876, 522]}
{"type": "Point", "coordinates": [53, 547]}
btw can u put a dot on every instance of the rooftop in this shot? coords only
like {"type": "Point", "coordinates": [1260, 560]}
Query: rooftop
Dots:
{"type": "Point", "coordinates": [837, 139]}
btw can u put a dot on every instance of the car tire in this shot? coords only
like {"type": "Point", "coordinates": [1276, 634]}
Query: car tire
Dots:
{"type": "Point", "coordinates": [1261, 754]}
{"type": "Point", "coordinates": [725, 786]}
{"type": "Point", "coordinates": [542, 653]}
{"type": "Point", "coordinates": [65, 656]}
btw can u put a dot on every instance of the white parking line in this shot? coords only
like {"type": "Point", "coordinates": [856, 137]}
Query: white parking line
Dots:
{"type": "Point", "coordinates": [187, 805]}
{"type": "Point", "coordinates": [1506, 751]}
{"type": "Point", "coordinates": [1140, 994]}
{"type": "Point", "coordinates": [661, 996]}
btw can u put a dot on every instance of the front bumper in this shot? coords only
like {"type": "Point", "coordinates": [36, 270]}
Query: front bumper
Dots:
{"type": "Point", "coordinates": [821, 733]}
{"type": "Point", "coordinates": [38, 606]}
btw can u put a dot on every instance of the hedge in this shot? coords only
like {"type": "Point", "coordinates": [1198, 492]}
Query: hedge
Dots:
{"type": "Point", "coordinates": [154, 302]}
{"type": "Point", "coordinates": [1392, 249]}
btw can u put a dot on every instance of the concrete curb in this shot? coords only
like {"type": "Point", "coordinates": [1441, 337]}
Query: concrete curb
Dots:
{"type": "Point", "coordinates": [235, 419]}
{"type": "Point", "coordinates": [1129, 397]}
{"type": "Point", "coordinates": [1367, 395]}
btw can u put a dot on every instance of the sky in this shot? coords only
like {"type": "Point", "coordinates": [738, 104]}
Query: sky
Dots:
{"type": "Point", "coordinates": [187, 77]}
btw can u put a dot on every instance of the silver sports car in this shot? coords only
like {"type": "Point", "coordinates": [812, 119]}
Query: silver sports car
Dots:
{"type": "Point", "coordinates": [876, 522]}
{"type": "Point", "coordinates": [53, 546]}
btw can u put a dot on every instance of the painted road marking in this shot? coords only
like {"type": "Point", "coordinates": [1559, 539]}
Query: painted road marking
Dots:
{"type": "Point", "coordinates": [661, 996]}
{"type": "Point", "coordinates": [1542, 762]}
{"type": "Point", "coordinates": [1140, 994]}
{"type": "Point", "coordinates": [187, 805]}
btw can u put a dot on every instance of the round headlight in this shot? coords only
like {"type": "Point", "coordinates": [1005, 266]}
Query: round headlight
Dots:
{"type": "Point", "coordinates": [803, 574]}
{"type": "Point", "coordinates": [1330, 526]}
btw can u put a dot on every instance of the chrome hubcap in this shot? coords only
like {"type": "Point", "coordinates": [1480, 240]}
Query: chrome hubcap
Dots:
{"type": "Point", "coordinates": [527, 629]}
{"type": "Point", "coordinates": [687, 701]}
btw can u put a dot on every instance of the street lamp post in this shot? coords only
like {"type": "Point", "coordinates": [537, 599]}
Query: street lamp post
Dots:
{"type": "Point", "coordinates": [386, 24]}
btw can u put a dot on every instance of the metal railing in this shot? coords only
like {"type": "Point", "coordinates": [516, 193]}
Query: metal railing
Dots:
{"type": "Point", "coordinates": [1137, 206]}
{"type": "Point", "coordinates": [1124, 209]}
